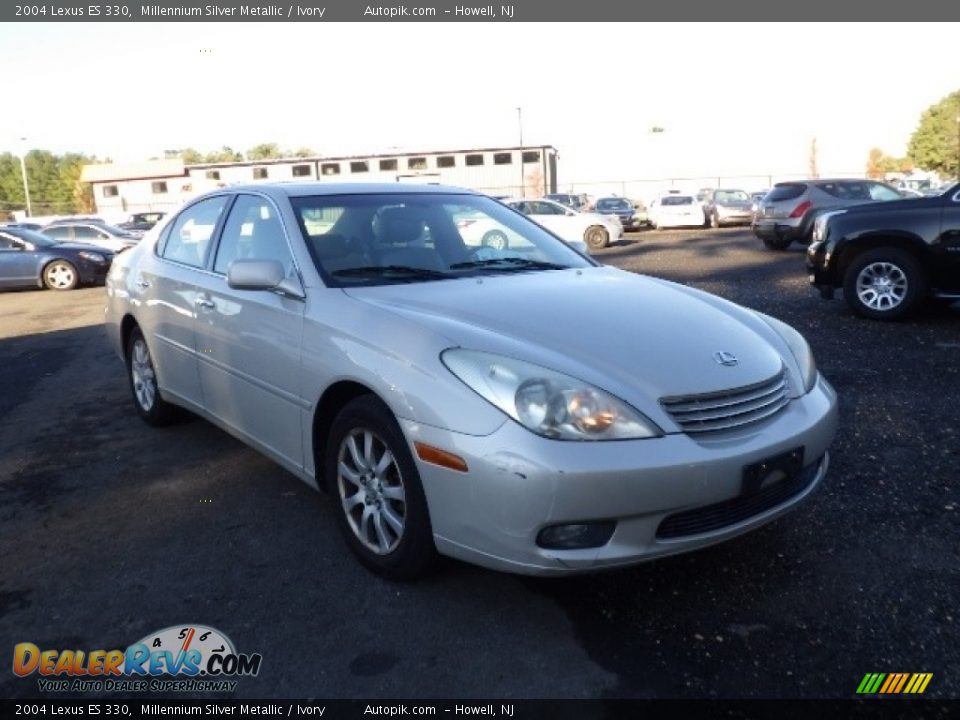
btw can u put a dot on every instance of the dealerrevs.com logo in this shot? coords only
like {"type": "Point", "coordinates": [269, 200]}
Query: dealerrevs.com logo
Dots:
{"type": "Point", "coordinates": [181, 658]}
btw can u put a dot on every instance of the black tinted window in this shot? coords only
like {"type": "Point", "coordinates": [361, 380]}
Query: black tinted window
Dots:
{"type": "Point", "coordinates": [785, 191]}
{"type": "Point", "coordinates": [846, 190]}
{"type": "Point", "coordinates": [677, 200]}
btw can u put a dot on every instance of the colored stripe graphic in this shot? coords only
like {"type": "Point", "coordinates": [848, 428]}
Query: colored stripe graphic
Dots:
{"type": "Point", "coordinates": [894, 683]}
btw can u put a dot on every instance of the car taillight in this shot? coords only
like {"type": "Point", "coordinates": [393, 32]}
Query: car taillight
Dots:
{"type": "Point", "coordinates": [800, 209]}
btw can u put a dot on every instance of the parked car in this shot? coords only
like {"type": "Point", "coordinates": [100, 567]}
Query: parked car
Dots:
{"type": "Point", "coordinates": [479, 229]}
{"type": "Point", "coordinates": [787, 213]}
{"type": "Point", "coordinates": [889, 257]}
{"type": "Point", "coordinates": [30, 259]}
{"type": "Point", "coordinates": [727, 206]}
{"type": "Point", "coordinates": [676, 210]}
{"type": "Point", "coordinates": [24, 225]}
{"type": "Point", "coordinates": [597, 231]}
{"type": "Point", "coordinates": [111, 238]}
{"type": "Point", "coordinates": [571, 200]}
{"type": "Point", "coordinates": [755, 199]}
{"type": "Point", "coordinates": [632, 216]}
{"type": "Point", "coordinates": [142, 221]}
{"type": "Point", "coordinates": [505, 410]}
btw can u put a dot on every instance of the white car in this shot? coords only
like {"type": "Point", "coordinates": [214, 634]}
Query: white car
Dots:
{"type": "Point", "coordinates": [676, 210]}
{"type": "Point", "coordinates": [597, 231]}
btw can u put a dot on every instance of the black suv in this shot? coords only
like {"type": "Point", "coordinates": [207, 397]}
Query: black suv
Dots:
{"type": "Point", "coordinates": [889, 257]}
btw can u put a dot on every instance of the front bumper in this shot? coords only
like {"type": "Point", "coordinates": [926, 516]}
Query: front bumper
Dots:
{"type": "Point", "coordinates": [519, 483]}
{"type": "Point", "coordinates": [735, 218]}
{"type": "Point", "coordinates": [818, 270]}
{"type": "Point", "coordinates": [92, 273]}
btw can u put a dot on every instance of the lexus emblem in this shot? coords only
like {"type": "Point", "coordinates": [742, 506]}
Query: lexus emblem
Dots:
{"type": "Point", "coordinates": [726, 359]}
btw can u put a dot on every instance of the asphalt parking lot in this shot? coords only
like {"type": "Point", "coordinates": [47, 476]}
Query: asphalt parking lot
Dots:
{"type": "Point", "coordinates": [110, 530]}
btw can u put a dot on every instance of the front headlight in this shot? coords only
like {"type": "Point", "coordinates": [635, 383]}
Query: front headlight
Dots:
{"type": "Point", "coordinates": [92, 256]}
{"type": "Point", "coordinates": [799, 348]}
{"type": "Point", "coordinates": [546, 402]}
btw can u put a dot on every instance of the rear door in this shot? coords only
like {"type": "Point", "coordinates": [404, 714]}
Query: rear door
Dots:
{"type": "Point", "coordinates": [248, 341]}
{"type": "Point", "coordinates": [166, 290]}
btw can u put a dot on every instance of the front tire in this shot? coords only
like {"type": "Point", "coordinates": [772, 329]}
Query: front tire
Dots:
{"type": "Point", "coordinates": [596, 237]}
{"type": "Point", "coordinates": [60, 275]}
{"type": "Point", "coordinates": [143, 383]}
{"type": "Point", "coordinates": [884, 284]}
{"type": "Point", "coordinates": [381, 508]}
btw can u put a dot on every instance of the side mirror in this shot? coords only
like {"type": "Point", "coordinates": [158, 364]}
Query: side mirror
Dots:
{"type": "Point", "coordinates": [262, 275]}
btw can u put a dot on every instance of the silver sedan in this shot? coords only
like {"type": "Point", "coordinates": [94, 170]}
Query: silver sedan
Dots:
{"type": "Point", "coordinates": [522, 408]}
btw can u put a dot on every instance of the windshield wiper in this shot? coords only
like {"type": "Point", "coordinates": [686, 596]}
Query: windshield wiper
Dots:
{"type": "Point", "coordinates": [511, 263]}
{"type": "Point", "coordinates": [407, 271]}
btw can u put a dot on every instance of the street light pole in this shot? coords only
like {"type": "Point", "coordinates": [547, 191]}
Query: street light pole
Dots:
{"type": "Point", "coordinates": [520, 124]}
{"type": "Point", "coordinates": [23, 172]}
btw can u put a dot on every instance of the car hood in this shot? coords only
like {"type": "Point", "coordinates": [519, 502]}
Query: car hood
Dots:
{"type": "Point", "coordinates": [895, 206]}
{"type": "Point", "coordinates": [632, 335]}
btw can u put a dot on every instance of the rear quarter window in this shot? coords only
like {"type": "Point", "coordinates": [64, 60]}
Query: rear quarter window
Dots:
{"type": "Point", "coordinates": [785, 191]}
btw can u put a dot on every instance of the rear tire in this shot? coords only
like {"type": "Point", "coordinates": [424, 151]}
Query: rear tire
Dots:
{"type": "Point", "coordinates": [143, 383]}
{"type": "Point", "coordinates": [373, 480]}
{"type": "Point", "coordinates": [884, 284]}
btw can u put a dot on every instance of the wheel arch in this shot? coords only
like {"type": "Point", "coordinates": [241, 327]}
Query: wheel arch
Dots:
{"type": "Point", "coordinates": [852, 249]}
{"type": "Point", "coordinates": [126, 327]}
{"type": "Point", "coordinates": [333, 400]}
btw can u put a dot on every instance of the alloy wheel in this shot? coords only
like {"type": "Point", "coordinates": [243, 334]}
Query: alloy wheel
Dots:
{"type": "Point", "coordinates": [881, 286]}
{"type": "Point", "coordinates": [143, 376]}
{"type": "Point", "coordinates": [371, 491]}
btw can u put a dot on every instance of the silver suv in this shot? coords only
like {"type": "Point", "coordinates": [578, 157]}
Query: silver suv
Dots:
{"type": "Point", "coordinates": [787, 212]}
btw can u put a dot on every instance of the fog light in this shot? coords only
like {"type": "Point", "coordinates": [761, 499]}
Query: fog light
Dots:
{"type": "Point", "coordinates": [576, 536]}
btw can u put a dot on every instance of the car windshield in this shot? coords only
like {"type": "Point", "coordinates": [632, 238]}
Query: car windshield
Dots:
{"type": "Point", "coordinates": [730, 196]}
{"type": "Point", "coordinates": [30, 236]}
{"type": "Point", "coordinates": [613, 204]}
{"type": "Point", "coordinates": [376, 239]}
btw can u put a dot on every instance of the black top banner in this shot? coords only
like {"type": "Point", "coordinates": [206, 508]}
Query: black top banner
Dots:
{"type": "Point", "coordinates": [856, 12]}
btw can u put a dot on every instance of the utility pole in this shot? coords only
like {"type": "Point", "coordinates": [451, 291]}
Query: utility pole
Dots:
{"type": "Point", "coordinates": [522, 179]}
{"type": "Point", "coordinates": [814, 173]}
{"type": "Point", "coordinates": [23, 172]}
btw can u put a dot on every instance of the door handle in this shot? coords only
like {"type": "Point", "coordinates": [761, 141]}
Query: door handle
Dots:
{"type": "Point", "coordinates": [143, 284]}
{"type": "Point", "coordinates": [205, 303]}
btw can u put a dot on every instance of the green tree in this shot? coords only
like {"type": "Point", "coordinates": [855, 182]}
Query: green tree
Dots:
{"type": "Point", "coordinates": [302, 152]}
{"type": "Point", "coordinates": [224, 154]}
{"type": "Point", "coordinates": [264, 151]}
{"type": "Point", "coordinates": [935, 144]}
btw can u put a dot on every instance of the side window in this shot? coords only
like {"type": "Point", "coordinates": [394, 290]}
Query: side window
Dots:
{"type": "Point", "coordinates": [60, 232]}
{"type": "Point", "coordinates": [252, 232]}
{"type": "Point", "coordinates": [85, 232]}
{"type": "Point", "coordinates": [189, 236]}
{"type": "Point", "coordinates": [882, 192]}
{"type": "Point", "coordinates": [6, 243]}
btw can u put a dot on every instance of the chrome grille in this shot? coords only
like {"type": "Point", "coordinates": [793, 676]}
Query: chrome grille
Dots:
{"type": "Point", "coordinates": [715, 412]}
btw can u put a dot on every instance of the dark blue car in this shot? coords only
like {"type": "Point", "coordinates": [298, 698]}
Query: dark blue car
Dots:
{"type": "Point", "coordinates": [30, 259]}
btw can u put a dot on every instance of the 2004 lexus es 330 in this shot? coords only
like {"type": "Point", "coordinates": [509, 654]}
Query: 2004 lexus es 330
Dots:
{"type": "Point", "coordinates": [517, 406]}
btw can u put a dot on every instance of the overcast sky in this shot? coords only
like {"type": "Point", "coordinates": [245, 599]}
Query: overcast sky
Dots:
{"type": "Point", "coordinates": [733, 99]}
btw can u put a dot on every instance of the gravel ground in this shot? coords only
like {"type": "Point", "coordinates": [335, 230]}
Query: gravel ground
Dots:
{"type": "Point", "coordinates": [110, 530]}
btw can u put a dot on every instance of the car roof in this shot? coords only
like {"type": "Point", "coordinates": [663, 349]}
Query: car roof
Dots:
{"type": "Point", "coordinates": [307, 189]}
